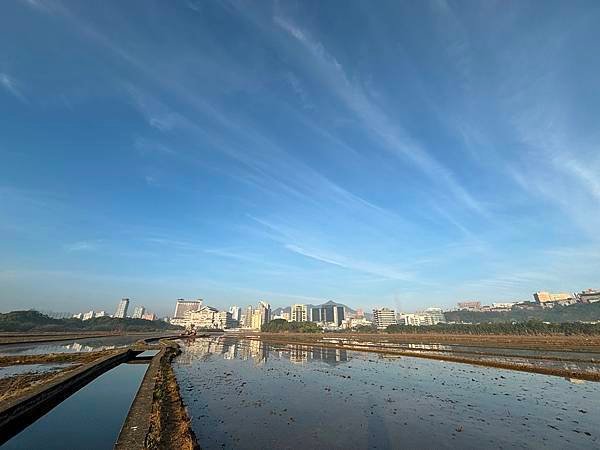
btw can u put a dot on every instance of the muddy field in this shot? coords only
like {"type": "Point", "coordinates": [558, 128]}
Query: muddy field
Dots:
{"type": "Point", "coordinates": [33, 370]}
{"type": "Point", "coordinates": [552, 342]}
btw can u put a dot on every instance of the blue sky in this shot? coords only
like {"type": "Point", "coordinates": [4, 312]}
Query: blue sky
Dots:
{"type": "Point", "coordinates": [403, 154]}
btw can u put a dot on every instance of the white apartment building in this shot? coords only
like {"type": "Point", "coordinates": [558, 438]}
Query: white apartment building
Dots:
{"type": "Point", "coordinates": [384, 317]}
{"type": "Point", "coordinates": [299, 313]}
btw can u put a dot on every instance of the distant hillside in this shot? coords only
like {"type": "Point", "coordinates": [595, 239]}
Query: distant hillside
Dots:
{"type": "Point", "coordinates": [35, 321]}
{"type": "Point", "coordinates": [578, 312]}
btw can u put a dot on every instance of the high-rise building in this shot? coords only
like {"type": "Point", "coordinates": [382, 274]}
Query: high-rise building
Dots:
{"type": "Point", "coordinates": [299, 313]}
{"type": "Point", "coordinates": [138, 312]}
{"type": "Point", "coordinates": [184, 306]}
{"type": "Point", "coordinates": [259, 316]}
{"type": "Point", "coordinates": [315, 314]}
{"type": "Point", "coordinates": [248, 317]}
{"type": "Point", "coordinates": [265, 310]}
{"type": "Point", "coordinates": [225, 320]}
{"type": "Point", "coordinates": [236, 312]}
{"type": "Point", "coordinates": [88, 315]}
{"type": "Point", "coordinates": [384, 317]}
{"type": "Point", "coordinates": [121, 312]}
{"type": "Point", "coordinates": [332, 314]}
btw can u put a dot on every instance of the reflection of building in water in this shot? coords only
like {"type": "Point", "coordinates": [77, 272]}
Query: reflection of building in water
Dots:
{"type": "Point", "coordinates": [230, 348]}
{"type": "Point", "coordinates": [329, 355]}
{"type": "Point", "coordinates": [303, 353]}
{"type": "Point", "coordinates": [258, 351]}
{"type": "Point", "coordinates": [79, 348]}
{"type": "Point", "coordinates": [298, 354]}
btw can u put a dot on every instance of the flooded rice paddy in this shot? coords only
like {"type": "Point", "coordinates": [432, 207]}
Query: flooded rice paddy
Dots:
{"type": "Point", "coordinates": [244, 393]}
{"type": "Point", "coordinates": [69, 346]}
{"type": "Point", "coordinates": [22, 369]}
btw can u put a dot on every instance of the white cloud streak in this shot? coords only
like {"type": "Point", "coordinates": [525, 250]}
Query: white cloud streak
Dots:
{"type": "Point", "coordinates": [11, 86]}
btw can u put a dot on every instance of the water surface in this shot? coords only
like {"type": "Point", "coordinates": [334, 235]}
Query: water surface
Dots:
{"type": "Point", "coordinates": [251, 395]}
{"type": "Point", "coordinates": [21, 369]}
{"type": "Point", "coordinates": [90, 419]}
{"type": "Point", "coordinates": [70, 345]}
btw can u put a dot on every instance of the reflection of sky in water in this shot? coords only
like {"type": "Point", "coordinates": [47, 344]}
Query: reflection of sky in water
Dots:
{"type": "Point", "coordinates": [454, 348]}
{"type": "Point", "coordinates": [89, 419]}
{"type": "Point", "coordinates": [30, 368]}
{"type": "Point", "coordinates": [253, 395]}
{"type": "Point", "coordinates": [69, 346]}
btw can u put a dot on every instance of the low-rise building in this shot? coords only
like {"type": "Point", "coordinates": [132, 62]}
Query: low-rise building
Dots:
{"type": "Point", "coordinates": [409, 319]}
{"type": "Point", "coordinates": [548, 299]}
{"type": "Point", "coordinates": [149, 316]}
{"type": "Point", "coordinates": [431, 316]}
{"type": "Point", "coordinates": [589, 296]}
{"type": "Point", "coordinates": [469, 306]}
{"type": "Point", "coordinates": [353, 322]}
{"type": "Point", "coordinates": [502, 306]}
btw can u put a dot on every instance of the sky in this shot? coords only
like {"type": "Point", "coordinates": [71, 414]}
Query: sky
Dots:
{"type": "Point", "coordinates": [391, 153]}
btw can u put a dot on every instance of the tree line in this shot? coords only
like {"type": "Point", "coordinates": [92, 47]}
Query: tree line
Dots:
{"type": "Point", "coordinates": [21, 321]}
{"type": "Point", "coordinates": [530, 327]}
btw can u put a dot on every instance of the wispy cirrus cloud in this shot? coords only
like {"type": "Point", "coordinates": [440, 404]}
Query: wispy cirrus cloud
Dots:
{"type": "Point", "coordinates": [82, 246]}
{"type": "Point", "coordinates": [390, 135]}
{"type": "Point", "coordinates": [367, 267]}
{"type": "Point", "coordinates": [12, 86]}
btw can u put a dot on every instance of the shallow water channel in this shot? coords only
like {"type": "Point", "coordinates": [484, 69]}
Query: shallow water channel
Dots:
{"type": "Point", "coordinates": [89, 419]}
{"type": "Point", "coordinates": [249, 394]}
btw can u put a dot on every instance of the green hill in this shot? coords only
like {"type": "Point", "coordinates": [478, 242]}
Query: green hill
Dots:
{"type": "Point", "coordinates": [22, 321]}
{"type": "Point", "coordinates": [579, 312]}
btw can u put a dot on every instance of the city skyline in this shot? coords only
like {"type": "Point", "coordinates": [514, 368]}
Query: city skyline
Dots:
{"type": "Point", "coordinates": [403, 155]}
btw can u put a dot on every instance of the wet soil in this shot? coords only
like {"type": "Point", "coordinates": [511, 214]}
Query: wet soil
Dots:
{"type": "Point", "coordinates": [170, 426]}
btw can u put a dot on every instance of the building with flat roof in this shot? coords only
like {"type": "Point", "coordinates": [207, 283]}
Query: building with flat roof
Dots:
{"type": "Point", "coordinates": [469, 306]}
{"type": "Point", "coordinates": [122, 307]}
{"type": "Point", "coordinates": [315, 314]}
{"type": "Point", "coordinates": [548, 299]}
{"type": "Point", "coordinates": [589, 296]}
{"type": "Point", "coordinates": [431, 316]}
{"type": "Point", "coordinates": [183, 306]}
{"type": "Point", "coordinates": [384, 317]}
{"type": "Point", "coordinates": [138, 312]}
{"type": "Point", "coordinates": [236, 313]}
{"type": "Point", "coordinates": [299, 313]}
{"type": "Point", "coordinates": [149, 316]}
